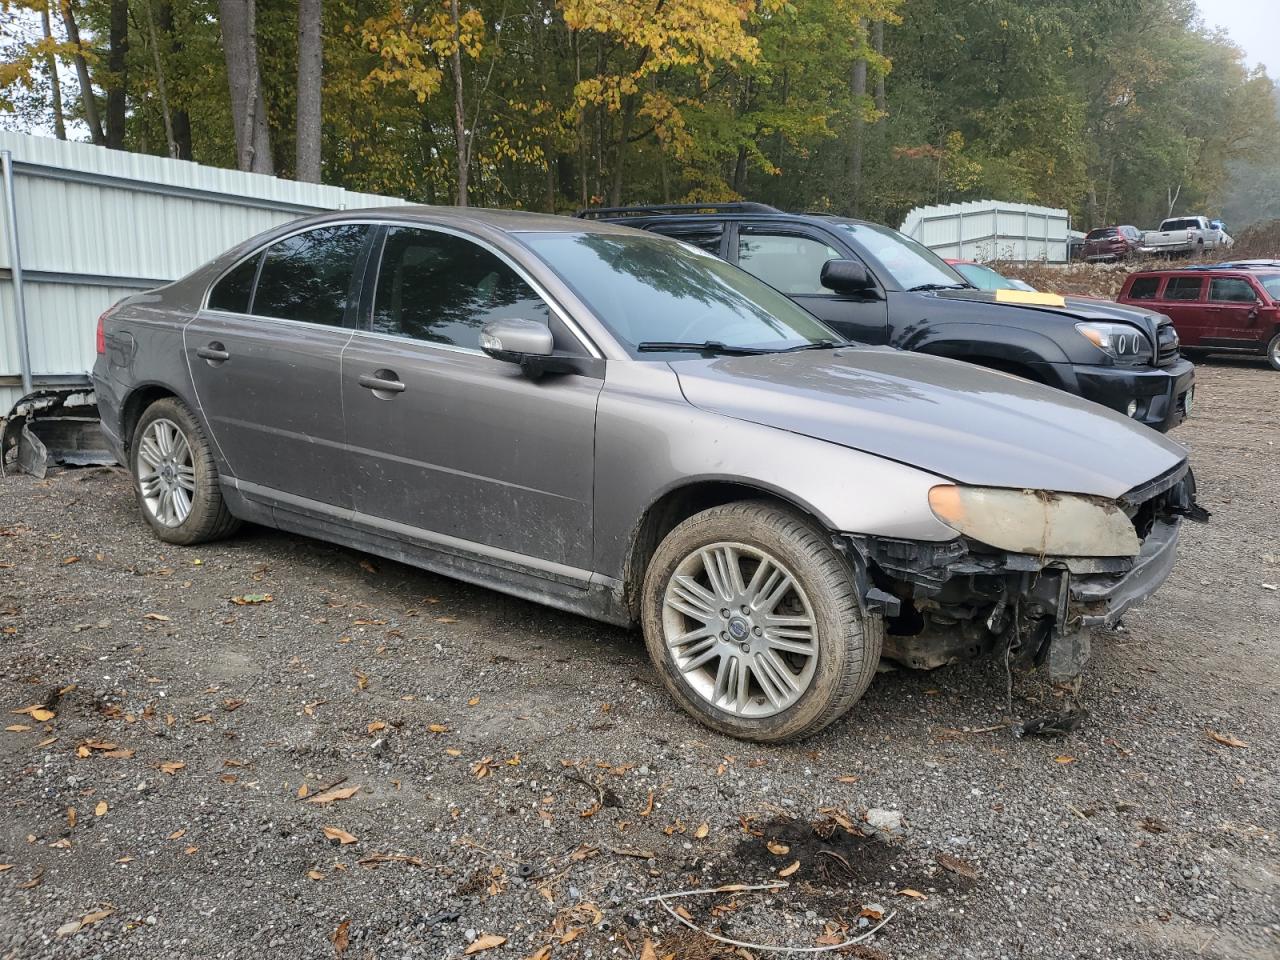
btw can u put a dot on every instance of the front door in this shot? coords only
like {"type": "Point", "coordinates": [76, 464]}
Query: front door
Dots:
{"type": "Point", "coordinates": [1232, 307]}
{"type": "Point", "coordinates": [790, 259]}
{"type": "Point", "coordinates": [265, 357]}
{"type": "Point", "coordinates": [449, 444]}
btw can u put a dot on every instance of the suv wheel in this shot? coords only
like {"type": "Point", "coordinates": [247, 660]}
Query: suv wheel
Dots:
{"type": "Point", "coordinates": [1273, 352]}
{"type": "Point", "coordinates": [751, 617]}
{"type": "Point", "coordinates": [175, 476]}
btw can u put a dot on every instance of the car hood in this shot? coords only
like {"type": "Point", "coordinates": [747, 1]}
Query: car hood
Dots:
{"type": "Point", "coordinates": [968, 424]}
{"type": "Point", "coordinates": [1075, 308]}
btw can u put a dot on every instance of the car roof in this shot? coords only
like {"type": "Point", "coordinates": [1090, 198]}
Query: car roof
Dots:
{"type": "Point", "coordinates": [508, 221]}
{"type": "Point", "coordinates": [711, 211]}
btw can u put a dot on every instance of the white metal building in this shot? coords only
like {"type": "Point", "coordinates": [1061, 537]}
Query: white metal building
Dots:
{"type": "Point", "coordinates": [82, 226]}
{"type": "Point", "coordinates": [991, 230]}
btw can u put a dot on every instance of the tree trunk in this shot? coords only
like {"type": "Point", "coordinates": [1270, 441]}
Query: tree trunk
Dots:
{"type": "Point", "coordinates": [118, 68]}
{"type": "Point", "coordinates": [160, 84]}
{"type": "Point", "coordinates": [248, 108]}
{"type": "Point", "coordinates": [858, 87]}
{"type": "Point", "coordinates": [877, 44]}
{"type": "Point", "coordinates": [181, 119]}
{"type": "Point", "coordinates": [459, 105]}
{"type": "Point", "coordinates": [310, 76]}
{"type": "Point", "coordinates": [90, 105]}
{"type": "Point", "coordinates": [51, 64]}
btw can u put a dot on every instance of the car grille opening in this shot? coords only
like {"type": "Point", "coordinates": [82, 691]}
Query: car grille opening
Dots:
{"type": "Point", "coordinates": [1166, 345]}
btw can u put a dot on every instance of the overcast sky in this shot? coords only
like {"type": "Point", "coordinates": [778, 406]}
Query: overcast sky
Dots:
{"type": "Point", "coordinates": [1254, 25]}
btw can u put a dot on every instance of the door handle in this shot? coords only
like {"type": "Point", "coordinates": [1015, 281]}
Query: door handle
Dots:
{"type": "Point", "coordinates": [383, 383]}
{"type": "Point", "coordinates": [214, 352]}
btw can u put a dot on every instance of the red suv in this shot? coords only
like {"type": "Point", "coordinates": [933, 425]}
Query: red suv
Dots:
{"type": "Point", "coordinates": [1220, 308]}
{"type": "Point", "coordinates": [1112, 243]}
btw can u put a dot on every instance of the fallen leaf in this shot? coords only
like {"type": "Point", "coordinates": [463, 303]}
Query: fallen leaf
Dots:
{"type": "Point", "coordinates": [571, 935]}
{"type": "Point", "coordinates": [957, 866]}
{"type": "Point", "coordinates": [177, 834]}
{"type": "Point", "coordinates": [315, 874]}
{"type": "Point", "coordinates": [542, 953]}
{"type": "Point", "coordinates": [334, 833]}
{"type": "Point", "coordinates": [362, 681]}
{"type": "Point", "coordinates": [203, 718]}
{"type": "Point", "coordinates": [871, 913]}
{"type": "Point", "coordinates": [1225, 739]}
{"type": "Point", "coordinates": [473, 701]}
{"type": "Point", "coordinates": [229, 705]}
{"type": "Point", "coordinates": [438, 728]}
{"type": "Point", "coordinates": [453, 752]}
{"type": "Point", "coordinates": [41, 715]}
{"type": "Point", "coordinates": [303, 791]}
{"type": "Point", "coordinates": [91, 918]}
{"type": "Point", "coordinates": [171, 766]}
{"type": "Point", "coordinates": [485, 942]}
{"type": "Point", "coordinates": [1064, 759]}
{"type": "Point", "coordinates": [788, 871]}
{"type": "Point", "coordinates": [701, 832]}
{"type": "Point", "coordinates": [252, 598]}
{"type": "Point", "coordinates": [846, 779]}
{"type": "Point", "coordinates": [17, 728]}
{"type": "Point", "coordinates": [778, 848]}
{"type": "Point", "coordinates": [647, 951]}
{"type": "Point", "coordinates": [339, 938]}
{"type": "Point", "coordinates": [366, 565]}
{"type": "Point", "coordinates": [71, 816]}
{"type": "Point", "coordinates": [913, 894]}
{"type": "Point", "coordinates": [5, 866]}
{"type": "Point", "coordinates": [337, 793]}
{"type": "Point", "coordinates": [101, 809]}
{"type": "Point", "coordinates": [156, 616]}
{"type": "Point", "coordinates": [648, 807]}
{"type": "Point", "coordinates": [33, 882]}
{"type": "Point", "coordinates": [376, 726]}
{"type": "Point", "coordinates": [189, 850]}
{"type": "Point", "coordinates": [69, 560]}
{"type": "Point", "coordinates": [447, 620]}
{"type": "Point", "coordinates": [124, 753]}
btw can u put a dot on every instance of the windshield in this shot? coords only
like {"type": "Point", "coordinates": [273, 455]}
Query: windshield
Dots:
{"type": "Point", "coordinates": [909, 263]}
{"type": "Point", "coordinates": [649, 290]}
{"type": "Point", "coordinates": [984, 278]}
{"type": "Point", "coordinates": [1272, 285]}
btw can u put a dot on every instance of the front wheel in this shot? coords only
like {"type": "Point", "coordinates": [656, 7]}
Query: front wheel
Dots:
{"type": "Point", "coordinates": [752, 619]}
{"type": "Point", "coordinates": [1273, 352]}
{"type": "Point", "coordinates": [175, 476]}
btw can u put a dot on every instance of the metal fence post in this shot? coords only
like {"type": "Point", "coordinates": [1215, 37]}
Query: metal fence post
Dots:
{"type": "Point", "coordinates": [15, 271]}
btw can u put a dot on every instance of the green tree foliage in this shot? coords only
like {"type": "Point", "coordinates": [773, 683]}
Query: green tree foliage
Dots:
{"type": "Point", "coordinates": [1115, 109]}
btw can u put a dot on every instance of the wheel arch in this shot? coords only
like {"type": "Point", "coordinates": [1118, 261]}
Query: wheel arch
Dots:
{"type": "Point", "coordinates": [138, 399]}
{"type": "Point", "coordinates": [681, 501]}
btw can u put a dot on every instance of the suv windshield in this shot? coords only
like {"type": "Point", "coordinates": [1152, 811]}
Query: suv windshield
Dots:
{"type": "Point", "coordinates": [652, 290]}
{"type": "Point", "coordinates": [911, 265]}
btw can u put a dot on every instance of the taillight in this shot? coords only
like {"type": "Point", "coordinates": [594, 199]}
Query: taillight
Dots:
{"type": "Point", "coordinates": [102, 337]}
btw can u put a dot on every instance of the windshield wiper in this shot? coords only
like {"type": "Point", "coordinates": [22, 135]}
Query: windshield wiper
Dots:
{"type": "Point", "coordinates": [706, 346]}
{"type": "Point", "coordinates": [816, 345]}
{"type": "Point", "coordinates": [941, 286]}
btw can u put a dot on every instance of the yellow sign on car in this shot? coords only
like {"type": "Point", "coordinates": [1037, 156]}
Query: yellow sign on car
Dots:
{"type": "Point", "coordinates": [1030, 297]}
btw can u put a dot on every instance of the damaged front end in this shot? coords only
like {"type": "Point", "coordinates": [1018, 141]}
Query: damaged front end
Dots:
{"type": "Point", "coordinates": [50, 427]}
{"type": "Point", "coordinates": [961, 599]}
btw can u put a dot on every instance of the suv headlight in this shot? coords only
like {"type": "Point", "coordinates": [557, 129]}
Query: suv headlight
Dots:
{"type": "Point", "coordinates": [1038, 522]}
{"type": "Point", "coordinates": [1120, 341]}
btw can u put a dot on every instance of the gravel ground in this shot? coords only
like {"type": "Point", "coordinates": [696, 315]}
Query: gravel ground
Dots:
{"type": "Point", "coordinates": [521, 773]}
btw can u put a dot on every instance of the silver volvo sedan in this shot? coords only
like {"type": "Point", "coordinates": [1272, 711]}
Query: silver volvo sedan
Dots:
{"type": "Point", "coordinates": [623, 426]}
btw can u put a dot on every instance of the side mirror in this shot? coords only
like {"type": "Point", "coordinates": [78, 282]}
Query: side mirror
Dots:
{"type": "Point", "coordinates": [846, 276]}
{"type": "Point", "coordinates": [517, 341]}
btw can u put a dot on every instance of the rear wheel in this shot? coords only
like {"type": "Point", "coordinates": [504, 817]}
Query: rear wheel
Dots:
{"type": "Point", "coordinates": [752, 619]}
{"type": "Point", "coordinates": [1273, 352]}
{"type": "Point", "coordinates": [175, 476]}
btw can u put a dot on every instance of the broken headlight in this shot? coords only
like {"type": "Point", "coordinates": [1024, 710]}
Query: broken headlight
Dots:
{"type": "Point", "coordinates": [1037, 522]}
{"type": "Point", "coordinates": [1120, 341]}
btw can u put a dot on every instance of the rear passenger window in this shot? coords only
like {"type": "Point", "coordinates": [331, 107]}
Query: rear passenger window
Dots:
{"type": "Point", "coordinates": [1144, 288]}
{"type": "Point", "coordinates": [308, 276]}
{"type": "Point", "coordinates": [1183, 288]}
{"type": "Point", "coordinates": [442, 289]}
{"type": "Point", "coordinates": [1231, 290]}
{"type": "Point", "coordinates": [704, 237]}
{"type": "Point", "coordinates": [233, 291]}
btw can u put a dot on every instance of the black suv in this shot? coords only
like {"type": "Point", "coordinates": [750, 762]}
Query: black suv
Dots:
{"type": "Point", "coordinates": [874, 285]}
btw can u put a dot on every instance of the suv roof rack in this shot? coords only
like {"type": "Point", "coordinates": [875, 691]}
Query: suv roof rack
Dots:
{"type": "Point", "coordinates": [1235, 265]}
{"type": "Point", "coordinates": [659, 209]}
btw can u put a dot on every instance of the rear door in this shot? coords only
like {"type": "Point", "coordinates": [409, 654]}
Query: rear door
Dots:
{"type": "Point", "coordinates": [790, 258]}
{"type": "Point", "coordinates": [1182, 299]}
{"type": "Point", "coordinates": [449, 445]}
{"type": "Point", "coordinates": [265, 355]}
{"type": "Point", "coordinates": [1232, 306]}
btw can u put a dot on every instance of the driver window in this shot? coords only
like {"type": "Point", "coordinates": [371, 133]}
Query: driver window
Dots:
{"type": "Point", "coordinates": [442, 289]}
{"type": "Point", "coordinates": [790, 264]}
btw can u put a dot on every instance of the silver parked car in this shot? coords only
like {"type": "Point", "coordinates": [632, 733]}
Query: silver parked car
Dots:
{"type": "Point", "coordinates": [620, 425]}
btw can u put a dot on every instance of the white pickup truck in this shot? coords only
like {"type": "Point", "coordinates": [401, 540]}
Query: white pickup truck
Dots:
{"type": "Point", "coordinates": [1182, 235]}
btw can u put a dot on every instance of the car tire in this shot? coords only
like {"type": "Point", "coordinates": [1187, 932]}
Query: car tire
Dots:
{"type": "Point", "coordinates": [827, 644]}
{"type": "Point", "coordinates": [1273, 352]}
{"type": "Point", "coordinates": [175, 477]}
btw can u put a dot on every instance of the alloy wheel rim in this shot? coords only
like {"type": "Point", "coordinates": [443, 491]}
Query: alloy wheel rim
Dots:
{"type": "Point", "coordinates": [166, 474]}
{"type": "Point", "coordinates": [740, 629]}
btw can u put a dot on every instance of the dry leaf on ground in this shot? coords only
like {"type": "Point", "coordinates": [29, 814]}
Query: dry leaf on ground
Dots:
{"type": "Point", "coordinates": [334, 833]}
{"type": "Point", "coordinates": [171, 766]}
{"type": "Point", "coordinates": [777, 848]}
{"type": "Point", "coordinates": [340, 938]}
{"type": "Point", "coordinates": [957, 866]}
{"type": "Point", "coordinates": [486, 942]}
{"type": "Point", "coordinates": [913, 894]}
{"type": "Point", "coordinates": [702, 831]}
{"type": "Point", "coordinates": [101, 809]}
{"type": "Point", "coordinates": [789, 870]}
{"type": "Point", "coordinates": [336, 793]}
{"type": "Point", "coordinates": [1225, 739]}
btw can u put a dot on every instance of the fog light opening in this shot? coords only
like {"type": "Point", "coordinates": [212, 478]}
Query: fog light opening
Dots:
{"type": "Point", "coordinates": [1132, 409]}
